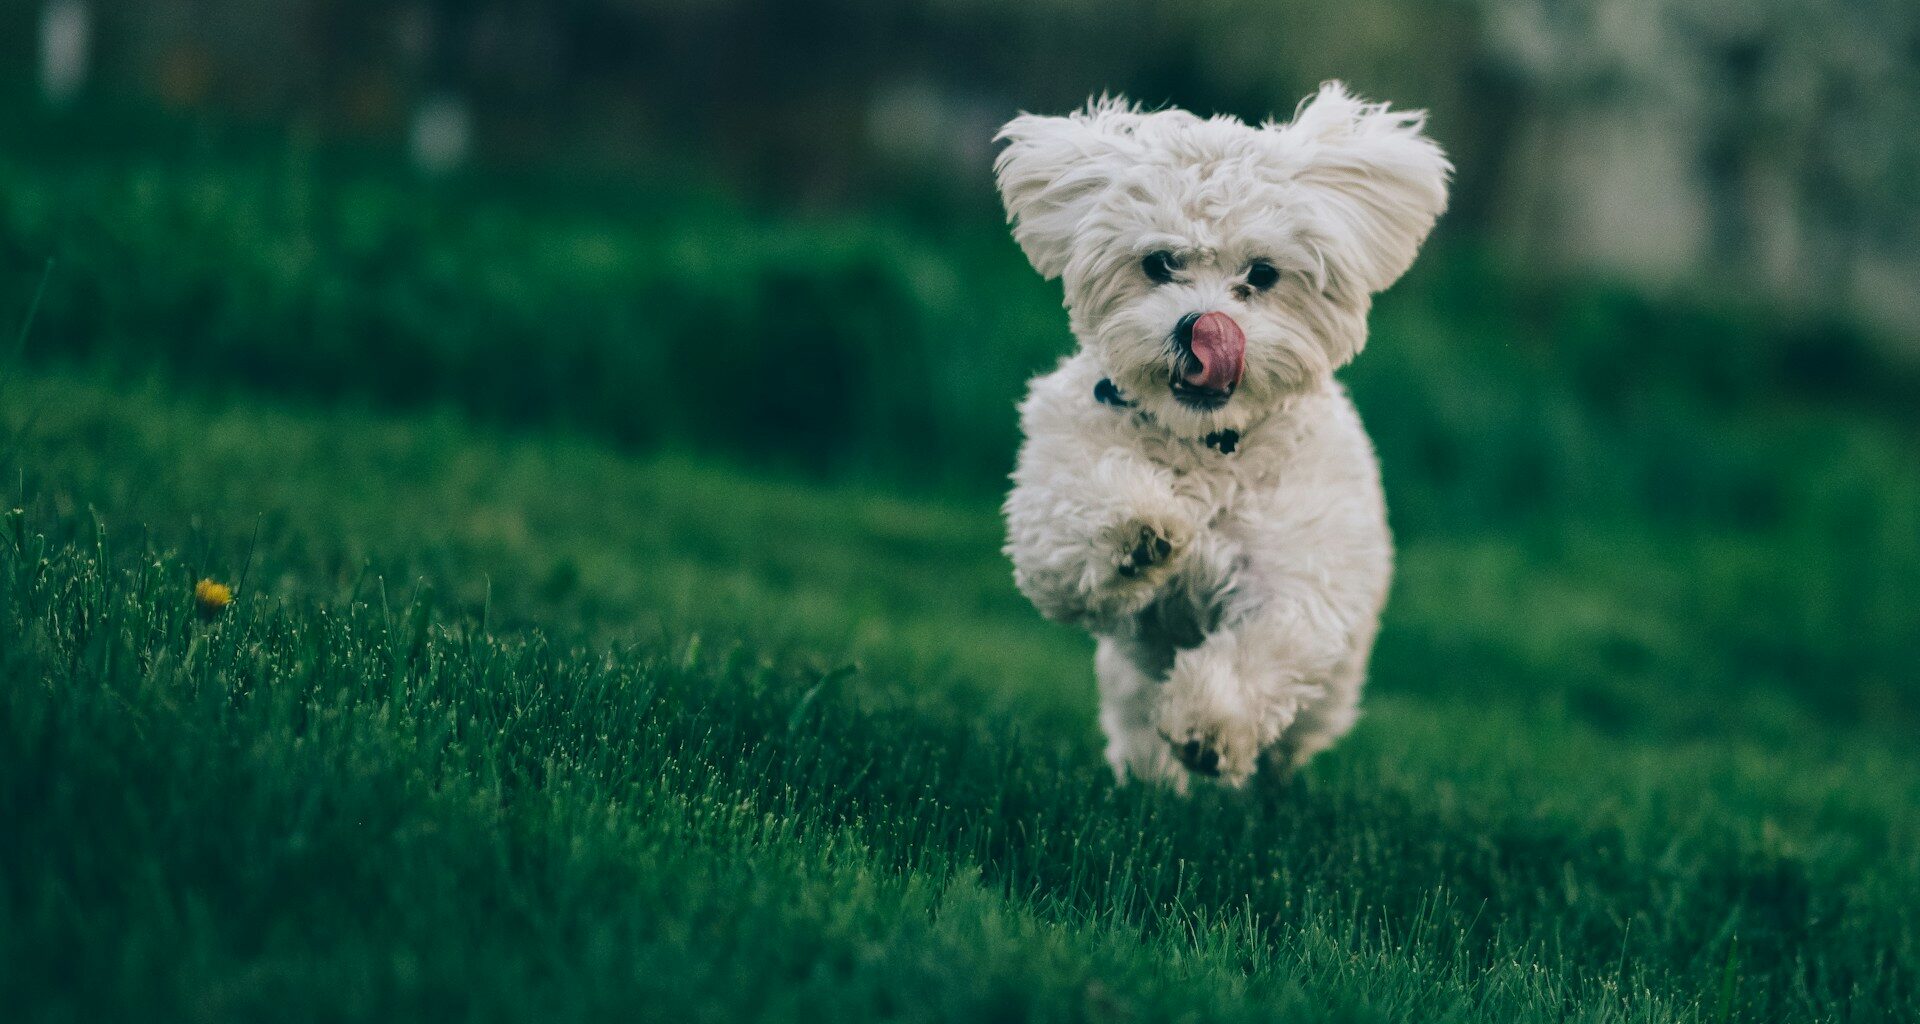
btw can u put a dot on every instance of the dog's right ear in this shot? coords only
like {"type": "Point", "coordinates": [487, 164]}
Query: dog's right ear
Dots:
{"type": "Point", "coordinates": [1052, 170]}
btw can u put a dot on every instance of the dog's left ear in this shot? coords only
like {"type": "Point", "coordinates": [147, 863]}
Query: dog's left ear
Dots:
{"type": "Point", "coordinates": [1377, 181]}
{"type": "Point", "coordinates": [1053, 170]}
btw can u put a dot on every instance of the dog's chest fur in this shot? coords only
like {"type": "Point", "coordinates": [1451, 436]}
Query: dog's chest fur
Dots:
{"type": "Point", "coordinates": [1280, 505]}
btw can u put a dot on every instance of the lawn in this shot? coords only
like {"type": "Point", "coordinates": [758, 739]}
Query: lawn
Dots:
{"type": "Point", "coordinates": [528, 709]}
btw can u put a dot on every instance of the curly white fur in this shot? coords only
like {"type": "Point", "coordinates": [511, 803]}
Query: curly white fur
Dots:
{"type": "Point", "coordinates": [1235, 594]}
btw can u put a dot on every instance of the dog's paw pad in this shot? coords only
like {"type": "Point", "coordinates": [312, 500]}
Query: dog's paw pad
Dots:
{"type": "Point", "coordinates": [1149, 549]}
{"type": "Point", "coordinates": [1221, 751]}
{"type": "Point", "coordinates": [1199, 757]}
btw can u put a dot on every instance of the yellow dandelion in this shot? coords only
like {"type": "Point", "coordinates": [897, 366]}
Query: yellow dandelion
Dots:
{"type": "Point", "coordinates": [213, 598]}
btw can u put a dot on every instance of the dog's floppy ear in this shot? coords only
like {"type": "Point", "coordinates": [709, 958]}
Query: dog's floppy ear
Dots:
{"type": "Point", "coordinates": [1377, 181]}
{"type": "Point", "coordinates": [1052, 170]}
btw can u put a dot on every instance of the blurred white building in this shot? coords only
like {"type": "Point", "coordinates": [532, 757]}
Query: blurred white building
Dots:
{"type": "Point", "coordinates": [1767, 145]}
{"type": "Point", "coordinates": [66, 38]}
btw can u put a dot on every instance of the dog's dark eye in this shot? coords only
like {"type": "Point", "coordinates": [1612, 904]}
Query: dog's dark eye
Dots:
{"type": "Point", "coordinates": [1262, 275]}
{"type": "Point", "coordinates": [1159, 266]}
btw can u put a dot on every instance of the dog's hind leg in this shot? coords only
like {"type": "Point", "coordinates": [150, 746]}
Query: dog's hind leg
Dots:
{"type": "Point", "coordinates": [1128, 696]}
{"type": "Point", "coordinates": [1323, 721]}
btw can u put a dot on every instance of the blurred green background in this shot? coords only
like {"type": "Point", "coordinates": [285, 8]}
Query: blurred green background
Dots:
{"type": "Point", "coordinates": [418, 308]}
{"type": "Point", "coordinates": [534, 210]}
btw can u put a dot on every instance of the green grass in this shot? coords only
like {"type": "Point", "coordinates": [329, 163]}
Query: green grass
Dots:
{"type": "Point", "coordinates": [527, 788]}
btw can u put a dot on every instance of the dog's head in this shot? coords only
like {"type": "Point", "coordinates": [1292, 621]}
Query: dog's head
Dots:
{"type": "Point", "coordinates": [1216, 267]}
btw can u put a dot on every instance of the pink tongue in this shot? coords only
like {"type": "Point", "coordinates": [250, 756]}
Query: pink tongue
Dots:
{"type": "Point", "coordinates": [1220, 349]}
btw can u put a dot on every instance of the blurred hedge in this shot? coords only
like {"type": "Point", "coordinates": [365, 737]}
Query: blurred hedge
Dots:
{"type": "Point", "coordinates": [835, 346]}
{"type": "Point", "coordinates": [664, 315]}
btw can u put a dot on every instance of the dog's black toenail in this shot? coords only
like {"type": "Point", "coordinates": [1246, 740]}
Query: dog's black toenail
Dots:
{"type": "Point", "coordinates": [1208, 762]}
{"type": "Point", "coordinates": [1161, 548]}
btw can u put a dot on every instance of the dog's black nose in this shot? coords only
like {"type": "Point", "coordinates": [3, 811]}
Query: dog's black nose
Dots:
{"type": "Point", "coordinates": [1183, 331]}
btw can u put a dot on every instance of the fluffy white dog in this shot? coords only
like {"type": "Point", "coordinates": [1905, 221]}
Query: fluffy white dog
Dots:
{"type": "Point", "coordinates": [1195, 488]}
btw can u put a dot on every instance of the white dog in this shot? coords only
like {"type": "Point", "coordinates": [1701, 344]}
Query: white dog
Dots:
{"type": "Point", "coordinates": [1195, 488]}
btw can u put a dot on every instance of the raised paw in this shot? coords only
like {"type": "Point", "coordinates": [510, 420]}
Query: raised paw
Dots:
{"type": "Point", "coordinates": [1143, 550]}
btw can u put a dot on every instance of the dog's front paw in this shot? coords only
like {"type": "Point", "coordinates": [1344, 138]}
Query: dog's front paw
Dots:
{"type": "Point", "coordinates": [1221, 750]}
{"type": "Point", "coordinates": [1144, 552]}
{"type": "Point", "coordinates": [1210, 736]}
